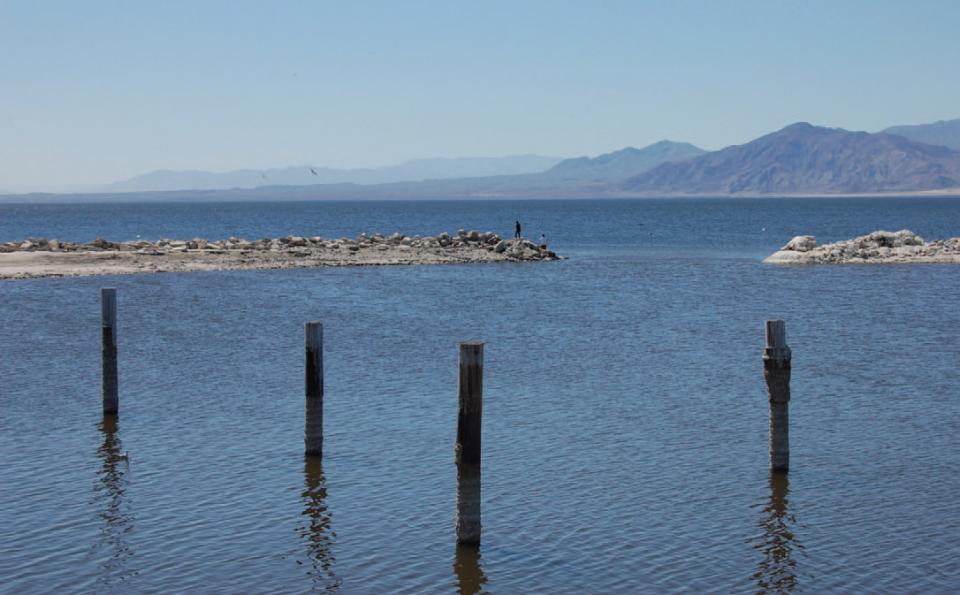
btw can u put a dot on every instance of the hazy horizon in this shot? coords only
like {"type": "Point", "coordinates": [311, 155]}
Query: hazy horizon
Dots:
{"type": "Point", "coordinates": [99, 92]}
{"type": "Point", "coordinates": [306, 167]}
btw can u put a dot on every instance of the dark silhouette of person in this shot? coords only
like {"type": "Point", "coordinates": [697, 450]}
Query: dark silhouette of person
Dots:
{"type": "Point", "coordinates": [516, 233]}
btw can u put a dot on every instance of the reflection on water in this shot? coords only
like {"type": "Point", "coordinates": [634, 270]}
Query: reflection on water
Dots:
{"type": "Point", "coordinates": [466, 565]}
{"type": "Point", "coordinates": [110, 499]}
{"type": "Point", "coordinates": [777, 571]}
{"type": "Point", "coordinates": [316, 529]}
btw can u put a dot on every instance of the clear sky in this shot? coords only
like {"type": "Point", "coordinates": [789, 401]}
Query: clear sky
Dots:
{"type": "Point", "coordinates": [98, 90]}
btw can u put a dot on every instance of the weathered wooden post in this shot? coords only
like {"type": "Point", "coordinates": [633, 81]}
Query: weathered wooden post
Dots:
{"type": "Point", "coordinates": [468, 442]}
{"type": "Point", "coordinates": [776, 370]}
{"type": "Point", "coordinates": [108, 306]}
{"type": "Point", "coordinates": [313, 383]}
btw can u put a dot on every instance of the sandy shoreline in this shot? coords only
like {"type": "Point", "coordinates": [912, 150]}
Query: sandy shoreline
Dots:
{"type": "Point", "coordinates": [36, 258]}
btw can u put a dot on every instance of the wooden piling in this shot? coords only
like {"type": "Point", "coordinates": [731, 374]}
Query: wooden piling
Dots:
{"type": "Point", "coordinates": [776, 371]}
{"type": "Point", "coordinates": [468, 442]}
{"type": "Point", "coordinates": [313, 384]}
{"type": "Point", "coordinates": [108, 307]}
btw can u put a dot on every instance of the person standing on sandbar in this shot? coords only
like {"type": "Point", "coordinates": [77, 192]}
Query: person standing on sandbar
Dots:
{"type": "Point", "coordinates": [516, 232]}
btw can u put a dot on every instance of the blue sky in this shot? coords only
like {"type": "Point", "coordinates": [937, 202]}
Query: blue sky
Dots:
{"type": "Point", "coordinates": [96, 91]}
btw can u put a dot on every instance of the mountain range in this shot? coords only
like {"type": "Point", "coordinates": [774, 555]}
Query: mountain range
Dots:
{"type": "Point", "coordinates": [417, 169]}
{"type": "Point", "coordinates": [515, 171]}
{"type": "Point", "coordinates": [803, 158]}
{"type": "Point", "coordinates": [798, 159]}
{"type": "Point", "coordinates": [945, 133]}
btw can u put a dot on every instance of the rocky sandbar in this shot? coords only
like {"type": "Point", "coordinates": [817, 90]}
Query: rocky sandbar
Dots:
{"type": "Point", "coordinates": [879, 247]}
{"type": "Point", "coordinates": [41, 257]}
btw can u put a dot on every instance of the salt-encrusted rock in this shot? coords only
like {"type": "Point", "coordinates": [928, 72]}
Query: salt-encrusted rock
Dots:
{"type": "Point", "coordinates": [902, 246]}
{"type": "Point", "coordinates": [103, 244]}
{"type": "Point", "coordinates": [801, 244]}
{"type": "Point", "coordinates": [888, 239]}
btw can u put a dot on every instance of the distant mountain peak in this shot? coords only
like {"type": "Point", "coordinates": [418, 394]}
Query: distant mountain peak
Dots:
{"type": "Point", "coordinates": [808, 129]}
{"type": "Point", "coordinates": [624, 163]}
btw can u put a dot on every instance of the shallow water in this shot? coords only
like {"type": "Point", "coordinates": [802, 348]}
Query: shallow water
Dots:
{"type": "Point", "coordinates": [625, 411]}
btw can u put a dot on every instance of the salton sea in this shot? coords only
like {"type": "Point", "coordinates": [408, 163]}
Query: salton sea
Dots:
{"type": "Point", "coordinates": [625, 411]}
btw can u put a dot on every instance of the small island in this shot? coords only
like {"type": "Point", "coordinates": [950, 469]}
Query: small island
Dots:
{"type": "Point", "coordinates": [41, 257]}
{"type": "Point", "coordinates": [879, 247]}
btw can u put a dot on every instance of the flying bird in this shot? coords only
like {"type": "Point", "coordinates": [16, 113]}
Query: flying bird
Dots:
{"type": "Point", "coordinates": [313, 171]}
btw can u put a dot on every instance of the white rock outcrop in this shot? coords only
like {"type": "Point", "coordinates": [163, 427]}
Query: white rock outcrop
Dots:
{"type": "Point", "coordinates": [879, 247]}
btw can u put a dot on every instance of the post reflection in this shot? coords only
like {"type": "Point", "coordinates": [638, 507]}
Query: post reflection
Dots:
{"type": "Point", "coordinates": [109, 495]}
{"type": "Point", "coordinates": [466, 565]}
{"type": "Point", "coordinates": [316, 529]}
{"type": "Point", "coordinates": [777, 571]}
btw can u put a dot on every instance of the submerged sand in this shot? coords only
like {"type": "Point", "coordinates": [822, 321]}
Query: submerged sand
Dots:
{"type": "Point", "coordinates": [40, 257]}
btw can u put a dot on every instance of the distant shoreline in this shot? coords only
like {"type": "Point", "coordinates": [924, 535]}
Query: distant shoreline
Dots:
{"type": "Point", "coordinates": [229, 196]}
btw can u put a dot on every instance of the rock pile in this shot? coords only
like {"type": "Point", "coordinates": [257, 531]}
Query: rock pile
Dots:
{"type": "Point", "coordinates": [489, 241]}
{"type": "Point", "coordinates": [902, 246]}
{"type": "Point", "coordinates": [42, 257]}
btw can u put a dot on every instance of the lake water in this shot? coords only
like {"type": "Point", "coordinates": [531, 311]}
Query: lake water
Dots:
{"type": "Point", "coordinates": [625, 411]}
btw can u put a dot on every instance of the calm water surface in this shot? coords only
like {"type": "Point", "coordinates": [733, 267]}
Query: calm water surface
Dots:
{"type": "Point", "coordinates": [625, 411]}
